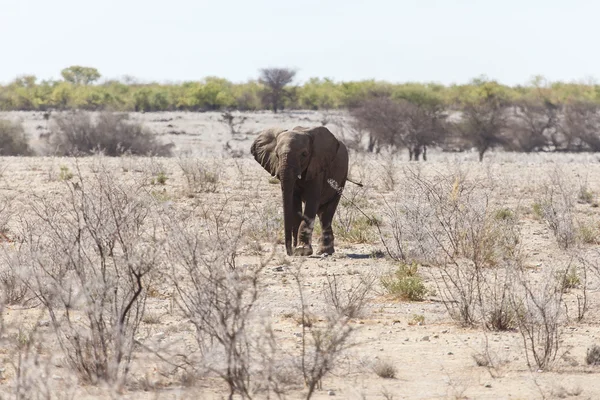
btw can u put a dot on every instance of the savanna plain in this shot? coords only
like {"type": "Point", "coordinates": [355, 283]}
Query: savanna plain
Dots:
{"type": "Point", "coordinates": [166, 278]}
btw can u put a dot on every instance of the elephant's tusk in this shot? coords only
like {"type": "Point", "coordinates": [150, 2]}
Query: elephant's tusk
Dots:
{"type": "Point", "coordinates": [299, 176]}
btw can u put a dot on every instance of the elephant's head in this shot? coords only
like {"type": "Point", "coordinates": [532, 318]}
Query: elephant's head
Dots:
{"type": "Point", "coordinates": [300, 153]}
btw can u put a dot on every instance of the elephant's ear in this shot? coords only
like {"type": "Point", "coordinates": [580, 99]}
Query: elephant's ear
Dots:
{"type": "Point", "coordinates": [324, 150]}
{"type": "Point", "coordinates": [263, 149]}
{"type": "Point", "coordinates": [301, 128]}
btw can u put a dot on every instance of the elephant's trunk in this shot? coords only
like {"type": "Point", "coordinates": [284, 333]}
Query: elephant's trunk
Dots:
{"type": "Point", "coordinates": [288, 176]}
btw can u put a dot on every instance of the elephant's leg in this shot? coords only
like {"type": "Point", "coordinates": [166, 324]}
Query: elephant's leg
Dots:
{"type": "Point", "coordinates": [297, 218]}
{"type": "Point", "coordinates": [304, 247]}
{"type": "Point", "coordinates": [326, 217]}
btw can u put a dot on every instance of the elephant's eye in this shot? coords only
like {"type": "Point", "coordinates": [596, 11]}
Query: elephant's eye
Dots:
{"type": "Point", "coordinates": [304, 153]}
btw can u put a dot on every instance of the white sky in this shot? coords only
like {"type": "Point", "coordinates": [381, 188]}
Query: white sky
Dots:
{"type": "Point", "coordinates": [448, 41]}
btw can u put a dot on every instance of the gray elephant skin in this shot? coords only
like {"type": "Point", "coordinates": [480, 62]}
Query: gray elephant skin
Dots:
{"type": "Point", "coordinates": [312, 166]}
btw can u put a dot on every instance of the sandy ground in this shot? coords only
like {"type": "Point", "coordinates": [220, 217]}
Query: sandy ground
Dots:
{"type": "Point", "coordinates": [433, 360]}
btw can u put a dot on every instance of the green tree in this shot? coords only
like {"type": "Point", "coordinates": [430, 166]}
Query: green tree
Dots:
{"type": "Point", "coordinates": [319, 94]}
{"type": "Point", "coordinates": [61, 95]}
{"type": "Point", "coordinates": [484, 106]}
{"type": "Point", "coordinates": [247, 95]}
{"type": "Point", "coordinates": [79, 75]}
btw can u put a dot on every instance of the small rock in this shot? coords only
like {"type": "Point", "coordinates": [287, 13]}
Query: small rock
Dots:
{"type": "Point", "coordinates": [44, 322]}
{"type": "Point", "coordinates": [278, 269]}
{"type": "Point", "coordinates": [436, 336]}
{"type": "Point", "coordinates": [331, 393]}
{"type": "Point", "coordinates": [425, 339]}
{"type": "Point", "coordinates": [450, 353]}
{"type": "Point", "coordinates": [488, 385]}
{"type": "Point", "coordinates": [445, 331]}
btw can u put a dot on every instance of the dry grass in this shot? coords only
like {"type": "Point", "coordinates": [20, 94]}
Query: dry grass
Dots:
{"type": "Point", "coordinates": [221, 316]}
{"type": "Point", "coordinates": [200, 176]}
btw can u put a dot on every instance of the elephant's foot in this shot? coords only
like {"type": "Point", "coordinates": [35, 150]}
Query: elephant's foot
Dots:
{"type": "Point", "coordinates": [304, 250]}
{"type": "Point", "coordinates": [326, 244]}
{"type": "Point", "coordinates": [326, 250]}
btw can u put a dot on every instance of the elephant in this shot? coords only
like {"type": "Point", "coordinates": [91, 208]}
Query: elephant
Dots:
{"type": "Point", "coordinates": [312, 166]}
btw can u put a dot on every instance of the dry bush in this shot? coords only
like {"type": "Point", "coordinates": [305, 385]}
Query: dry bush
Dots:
{"type": "Point", "coordinates": [483, 122]}
{"type": "Point", "coordinates": [585, 195]}
{"type": "Point", "coordinates": [78, 133]}
{"type": "Point", "coordinates": [350, 223]}
{"type": "Point", "coordinates": [33, 368]}
{"type": "Point", "coordinates": [539, 314]}
{"type": "Point", "coordinates": [533, 125]}
{"type": "Point", "coordinates": [578, 276]}
{"type": "Point", "coordinates": [557, 208]}
{"type": "Point", "coordinates": [385, 369]}
{"type": "Point", "coordinates": [388, 175]}
{"type": "Point", "coordinates": [201, 176]}
{"type": "Point", "coordinates": [321, 343]}
{"type": "Point", "coordinates": [580, 125]}
{"type": "Point", "coordinates": [5, 216]}
{"type": "Point", "coordinates": [233, 121]}
{"type": "Point", "coordinates": [402, 123]}
{"type": "Point", "coordinates": [451, 223]}
{"type": "Point", "coordinates": [268, 225]}
{"type": "Point", "coordinates": [219, 297]}
{"type": "Point", "coordinates": [592, 356]}
{"type": "Point", "coordinates": [496, 308]}
{"type": "Point", "coordinates": [13, 140]}
{"type": "Point", "coordinates": [348, 299]}
{"type": "Point", "coordinates": [382, 118]}
{"type": "Point", "coordinates": [13, 289]}
{"type": "Point", "coordinates": [88, 255]}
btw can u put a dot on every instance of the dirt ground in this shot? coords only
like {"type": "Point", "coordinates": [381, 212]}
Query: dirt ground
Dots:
{"type": "Point", "coordinates": [434, 358]}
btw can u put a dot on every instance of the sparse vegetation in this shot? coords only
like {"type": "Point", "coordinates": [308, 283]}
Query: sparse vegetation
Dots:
{"type": "Point", "coordinates": [416, 319]}
{"type": "Point", "coordinates": [77, 133]}
{"type": "Point", "coordinates": [540, 318]}
{"type": "Point", "coordinates": [348, 300]}
{"type": "Point", "coordinates": [65, 173]}
{"type": "Point", "coordinates": [557, 209]}
{"type": "Point", "coordinates": [385, 369]}
{"type": "Point", "coordinates": [588, 233]}
{"type": "Point", "coordinates": [200, 176]}
{"type": "Point", "coordinates": [161, 178]}
{"type": "Point", "coordinates": [405, 283]}
{"type": "Point", "coordinates": [102, 246]}
{"type": "Point", "coordinates": [568, 279]}
{"type": "Point", "coordinates": [219, 313]}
